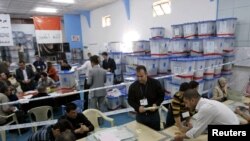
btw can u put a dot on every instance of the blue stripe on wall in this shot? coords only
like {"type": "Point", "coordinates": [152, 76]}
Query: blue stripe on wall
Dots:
{"type": "Point", "coordinates": [72, 26]}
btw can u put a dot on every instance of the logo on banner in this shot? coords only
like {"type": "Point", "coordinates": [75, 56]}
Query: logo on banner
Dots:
{"type": "Point", "coordinates": [48, 29]}
{"type": "Point", "coordinates": [6, 32]}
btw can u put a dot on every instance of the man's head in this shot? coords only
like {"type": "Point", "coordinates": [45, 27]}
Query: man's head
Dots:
{"type": "Point", "coordinates": [194, 85]}
{"type": "Point", "coordinates": [19, 44]}
{"type": "Point", "coordinates": [42, 89]}
{"type": "Point", "coordinates": [89, 54]}
{"type": "Point", "coordinates": [191, 97]}
{"type": "Point", "coordinates": [71, 110]}
{"type": "Point", "coordinates": [3, 87]}
{"type": "Point", "coordinates": [105, 55]}
{"type": "Point", "coordinates": [44, 75]}
{"type": "Point", "coordinates": [37, 58]}
{"type": "Point", "coordinates": [3, 76]}
{"type": "Point", "coordinates": [61, 126]}
{"type": "Point", "coordinates": [49, 64]}
{"type": "Point", "coordinates": [184, 86]}
{"type": "Point", "coordinates": [22, 65]}
{"type": "Point", "coordinates": [141, 73]}
{"type": "Point", "coordinates": [222, 82]}
{"type": "Point", "coordinates": [94, 60]}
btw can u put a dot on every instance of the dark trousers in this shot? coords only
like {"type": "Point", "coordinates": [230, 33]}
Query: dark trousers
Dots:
{"type": "Point", "coordinates": [150, 119]}
{"type": "Point", "coordinates": [86, 95]}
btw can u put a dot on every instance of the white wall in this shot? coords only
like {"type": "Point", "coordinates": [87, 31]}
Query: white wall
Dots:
{"type": "Point", "coordinates": [142, 20]}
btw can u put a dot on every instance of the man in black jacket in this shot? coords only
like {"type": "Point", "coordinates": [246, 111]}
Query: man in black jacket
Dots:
{"type": "Point", "coordinates": [143, 93]}
{"type": "Point", "coordinates": [108, 63]}
{"type": "Point", "coordinates": [81, 125]}
{"type": "Point", "coordinates": [25, 76]}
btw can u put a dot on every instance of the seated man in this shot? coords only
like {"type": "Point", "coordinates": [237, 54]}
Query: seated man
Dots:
{"type": "Point", "coordinates": [51, 132]}
{"type": "Point", "coordinates": [45, 81]}
{"type": "Point", "coordinates": [42, 91]}
{"type": "Point", "coordinates": [81, 125]}
{"type": "Point", "coordinates": [5, 110]}
{"type": "Point", "coordinates": [209, 112]}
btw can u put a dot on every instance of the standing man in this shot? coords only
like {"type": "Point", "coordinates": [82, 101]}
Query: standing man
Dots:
{"type": "Point", "coordinates": [25, 76]}
{"type": "Point", "coordinates": [97, 78]}
{"type": "Point", "coordinates": [20, 52]}
{"type": "Point", "coordinates": [39, 65]}
{"type": "Point", "coordinates": [85, 68]}
{"type": "Point", "coordinates": [143, 93]}
{"type": "Point", "coordinates": [108, 63]}
{"type": "Point", "coordinates": [209, 112]}
{"type": "Point", "coordinates": [81, 125]}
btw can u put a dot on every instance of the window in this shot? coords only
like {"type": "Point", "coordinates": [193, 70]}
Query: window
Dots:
{"type": "Point", "coordinates": [106, 21]}
{"type": "Point", "coordinates": [161, 7]}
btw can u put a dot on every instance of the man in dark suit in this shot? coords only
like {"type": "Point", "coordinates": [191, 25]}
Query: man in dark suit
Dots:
{"type": "Point", "coordinates": [25, 76]}
{"type": "Point", "coordinates": [97, 78]}
{"type": "Point", "coordinates": [108, 63]}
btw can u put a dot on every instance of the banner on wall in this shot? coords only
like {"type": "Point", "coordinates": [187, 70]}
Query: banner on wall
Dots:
{"type": "Point", "coordinates": [48, 29]}
{"type": "Point", "coordinates": [6, 32]}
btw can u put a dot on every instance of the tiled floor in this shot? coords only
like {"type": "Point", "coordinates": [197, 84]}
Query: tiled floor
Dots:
{"type": "Point", "coordinates": [119, 120]}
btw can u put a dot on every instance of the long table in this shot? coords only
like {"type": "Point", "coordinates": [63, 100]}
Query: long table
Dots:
{"type": "Point", "coordinates": [142, 132]}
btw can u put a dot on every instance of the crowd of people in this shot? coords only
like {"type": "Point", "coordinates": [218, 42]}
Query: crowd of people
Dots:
{"type": "Point", "coordinates": [145, 95]}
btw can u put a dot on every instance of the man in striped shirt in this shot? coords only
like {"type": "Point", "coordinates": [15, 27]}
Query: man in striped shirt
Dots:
{"type": "Point", "coordinates": [178, 112]}
{"type": "Point", "coordinates": [50, 132]}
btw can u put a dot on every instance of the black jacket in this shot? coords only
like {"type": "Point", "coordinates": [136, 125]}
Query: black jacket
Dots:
{"type": "Point", "coordinates": [153, 91]}
{"type": "Point", "coordinates": [20, 78]}
{"type": "Point", "coordinates": [110, 63]}
{"type": "Point", "coordinates": [80, 119]}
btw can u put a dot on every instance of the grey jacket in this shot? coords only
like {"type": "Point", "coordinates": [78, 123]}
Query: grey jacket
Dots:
{"type": "Point", "coordinates": [97, 78]}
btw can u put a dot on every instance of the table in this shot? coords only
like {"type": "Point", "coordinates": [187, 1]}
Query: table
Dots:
{"type": "Point", "coordinates": [142, 132]}
{"type": "Point", "coordinates": [57, 101]}
{"type": "Point", "coordinates": [241, 119]}
{"type": "Point", "coordinates": [171, 131]}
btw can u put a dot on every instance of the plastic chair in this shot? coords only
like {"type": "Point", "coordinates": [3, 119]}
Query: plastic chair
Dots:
{"type": "Point", "coordinates": [41, 113]}
{"type": "Point", "coordinates": [79, 105]}
{"type": "Point", "coordinates": [14, 120]}
{"type": "Point", "coordinates": [94, 114]}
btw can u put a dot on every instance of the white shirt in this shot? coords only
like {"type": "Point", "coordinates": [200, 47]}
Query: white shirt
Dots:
{"type": "Point", "coordinates": [86, 67]}
{"type": "Point", "coordinates": [20, 48]}
{"type": "Point", "coordinates": [211, 112]}
{"type": "Point", "coordinates": [25, 76]}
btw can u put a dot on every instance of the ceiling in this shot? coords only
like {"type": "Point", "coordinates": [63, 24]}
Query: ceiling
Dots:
{"type": "Point", "coordinates": [25, 8]}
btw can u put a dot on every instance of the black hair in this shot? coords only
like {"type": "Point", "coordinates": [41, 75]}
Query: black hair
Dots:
{"type": "Point", "coordinates": [70, 106]}
{"type": "Point", "coordinates": [193, 84]}
{"type": "Point", "coordinates": [44, 74]}
{"type": "Point", "coordinates": [63, 125]}
{"type": "Point", "coordinates": [184, 86]}
{"type": "Point", "coordinates": [191, 93]}
{"type": "Point", "coordinates": [3, 87]}
{"type": "Point", "coordinates": [105, 53]}
{"type": "Point", "coordinates": [94, 59]}
{"type": "Point", "coordinates": [21, 61]}
{"type": "Point", "coordinates": [141, 67]}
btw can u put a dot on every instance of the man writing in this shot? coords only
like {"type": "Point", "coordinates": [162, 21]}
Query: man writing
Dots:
{"type": "Point", "coordinates": [143, 93]}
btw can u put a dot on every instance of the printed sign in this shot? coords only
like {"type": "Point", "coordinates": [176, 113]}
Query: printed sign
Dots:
{"type": "Point", "coordinates": [6, 32]}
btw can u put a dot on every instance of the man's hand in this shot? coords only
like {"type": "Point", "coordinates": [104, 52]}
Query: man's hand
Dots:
{"type": "Point", "coordinates": [84, 128]}
{"type": "Point", "coordinates": [179, 137]}
{"type": "Point", "coordinates": [154, 105]}
{"type": "Point", "coordinates": [141, 109]}
{"type": "Point", "coordinates": [109, 69]}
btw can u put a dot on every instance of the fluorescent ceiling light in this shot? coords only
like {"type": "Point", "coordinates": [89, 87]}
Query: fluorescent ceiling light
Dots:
{"type": "Point", "coordinates": [64, 1]}
{"type": "Point", "coordinates": [45, 10]}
